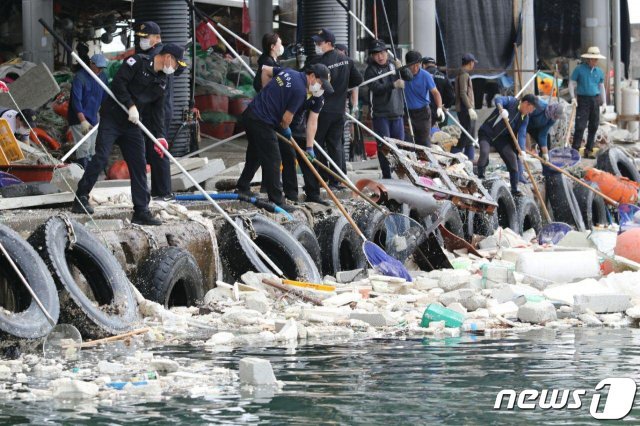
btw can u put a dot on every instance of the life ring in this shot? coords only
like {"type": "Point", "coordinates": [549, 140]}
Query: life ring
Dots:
{"type": "Point", "coordinates": [98, 307]}
{"type": "Point", "coordinates": [38, 135]}
{"type": "Point", "coordinates": [21, 317]}
{"type": "Point", "coordinates": [170, 276]}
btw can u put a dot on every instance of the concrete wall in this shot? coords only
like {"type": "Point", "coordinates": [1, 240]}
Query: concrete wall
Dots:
{"type": "Point", "coordinates": [635, 51]}
{"type": "Point", "coordinates": [37, 43]}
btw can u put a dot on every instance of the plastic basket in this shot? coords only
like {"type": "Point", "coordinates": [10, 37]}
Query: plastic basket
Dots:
{"type": "Point", "coordinates": [9, 149]}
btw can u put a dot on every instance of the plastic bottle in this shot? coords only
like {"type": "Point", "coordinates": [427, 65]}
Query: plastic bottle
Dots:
{"type": "Point", "coordinates": [435, 312]}
{"type": "Point", "coordinates": [474, 327]}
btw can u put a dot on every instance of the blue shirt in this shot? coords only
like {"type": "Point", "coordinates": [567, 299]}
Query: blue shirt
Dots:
{"type": "Point", "coordinates": [286, 91]}
{"type": "Point", "coordinates": [588, 80]}
{"type": "Point", "coordinates": [540, 123]}
{"type": "Point", "coordinates": [417, 90]}
{"type": "Point", "coordinates": [494, 128]}
{"type": "Point", "coordinates": [86, 97]}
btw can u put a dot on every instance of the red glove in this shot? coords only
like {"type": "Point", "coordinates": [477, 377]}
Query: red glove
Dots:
{"type": "Point", "coordinates": [164, 143]}
{"type": "Point", "coordinates": [3, 87]}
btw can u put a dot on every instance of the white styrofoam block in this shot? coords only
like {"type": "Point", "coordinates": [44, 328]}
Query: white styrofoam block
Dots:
{"type": "Point", "coordinates": [512, 291]}
{"type": "Point", "coordinates": [256, 372]}
{"type": "Point", "coordinates": [601, 303]}
{"type": "Point", "coordinates": [537, 312]}
{"type": "Point", "coordinates": [560, 266]}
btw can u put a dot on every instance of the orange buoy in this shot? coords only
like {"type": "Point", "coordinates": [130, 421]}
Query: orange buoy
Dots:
{"type": "Point", "coordinates": [120, 170]}
{"type": "Point", "coordinates": [619, 188]}
{"type": "Point", "coordinates": [628, 244]}
{"type": "Point", "coordinates": [40, 135]}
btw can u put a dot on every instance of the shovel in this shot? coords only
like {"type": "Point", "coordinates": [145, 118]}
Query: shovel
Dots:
{"type": "Point", "coordinates": [379, 260]}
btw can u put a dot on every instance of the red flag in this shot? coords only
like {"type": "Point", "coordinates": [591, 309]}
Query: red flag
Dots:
{"type": "Point", "coordinates": [246, 20]}
{"type": "Point", "coordinates": [206, 38]}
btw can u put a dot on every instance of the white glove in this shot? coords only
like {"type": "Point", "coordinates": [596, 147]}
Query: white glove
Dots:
{"type": "Point", "coordinates": [397, 63]}
{"type": "Point", "coordinates": [440, 114]}
{"type": "Point", "coordinates": [574, 101]}
{"type": "Point", "coordinates": [473, 115]}
{"type": "Point", "coordinates": [85, 126]}
{"type": "Point", "coordinates": [545, 156]}
{"type": "Point", "coordinates": [603, 108]}
{"type": "Point", "coordinates": [524, 156]}
{"type": "Point", "coordinates": [355, 110]}
{"type": "Point", "coordinates": [399, 84]}
{"type": "Point", "coordinates": [134, 115]}
{"type": "Point", "coordinates": [505, 114]}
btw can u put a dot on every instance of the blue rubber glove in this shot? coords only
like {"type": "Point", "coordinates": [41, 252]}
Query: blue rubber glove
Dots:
{"type": "Point", "coordinates": [286, 133]}
{"type": "Point", "coordinates": [311, 155]}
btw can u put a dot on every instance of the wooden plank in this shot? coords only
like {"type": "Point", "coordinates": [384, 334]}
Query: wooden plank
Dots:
{"type": "Point", "coordinates": [35, 201]}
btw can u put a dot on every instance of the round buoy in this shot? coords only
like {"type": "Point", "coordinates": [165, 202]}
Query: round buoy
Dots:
{"type": "Point", "coordinates": [628, 245]}
{"type": "Point", "coordinates": [120, 170]}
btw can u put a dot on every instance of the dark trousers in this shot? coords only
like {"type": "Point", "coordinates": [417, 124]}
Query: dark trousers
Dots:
{"type": "Point", "coordinates": [311, 184]}
{"type": "Point", "coordinates": [289, 174]}
{"type": "Point", "coordinates": [465, 144]}
{"type": "Point", "coordinates": [588, 111]}
{"type": "Point", "coordinates": [262, 151]}
{"type": "Point", "coordinates": [129, 138]}
{"type": "Point", "coordinates": [421, 121]}
{"type": "Point", "coordinates": [160, 170]}
{"type": "Point", "coordinates": [393, 128]}
{"type": "Point", "coordinates": [507, 153]}
{"type": "Point", "coordinates": [329, 136]}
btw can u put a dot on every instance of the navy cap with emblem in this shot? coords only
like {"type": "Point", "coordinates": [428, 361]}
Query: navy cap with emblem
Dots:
{"type": "Point", "coordinates": [148, 28]}
{"type": "Point", "coordinates": [322, 72]}
{"type": "Point", "coordinates": [30, 115]}
{"type": "Point", "coordinates": [324, 34]}
{"type": "Point", "coordinates": [175, 51]}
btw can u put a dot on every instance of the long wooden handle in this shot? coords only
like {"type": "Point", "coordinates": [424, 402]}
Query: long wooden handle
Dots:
{"type": "Point", "coordinates": [526, 166]}
{"type": "Point", "coordinates": [114, 338]}
{"type": "Point", "coordinates": [333, 197]}
{"type": "Point", "coordinates": [350, 185]}
{"type": "Point", "coordinates": [581, 182]}
{"type": "Point", "coordinates": [568, 135]}
{"type": "Point", "coordinates": [292, 291]}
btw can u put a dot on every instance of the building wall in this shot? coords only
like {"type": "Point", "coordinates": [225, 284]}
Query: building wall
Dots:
{"type": "Point", "coordinates": [635, 51]}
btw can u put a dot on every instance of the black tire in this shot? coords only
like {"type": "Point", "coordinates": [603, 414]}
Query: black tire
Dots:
{"type": "Point", "coordinates": [592, 206]}
{"type": "Point", "coordinates": [452, 220]}
{"type": "Point", "coordinates": [616, 161]}
{"type": "Point", "coordinates": [371, 223]}
{"type": "Point", "coordinates": [340, 246]}
{"type": "Point", "coordinates": [528, 214]}
{"type": "Point", "coordinates": [563, 203]}
{"type": "Point", "coordinates": [479, 224]}
{"type": "Point", "coordinates": [113, 309]}
{"type": "Point", "coordinates": [20, 316]}
{"type": "Point", "coordinates": [282, 248]}
{"type": "Point", "coordinates": [305, 236]}
{"type": "Point", "coordinates": [171, 277]}
{"type": "Point", "coordinates": [506, 215]}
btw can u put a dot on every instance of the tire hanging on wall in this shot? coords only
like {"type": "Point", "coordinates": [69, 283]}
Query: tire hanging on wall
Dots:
{"type": "Point", "coordinates": [171, 277]}
{"type": "Point", "coordinates": [20, 316]}
{"type": "Point", "coordinates": [592, 206]}
{"type": "Point", "coordinates": [505, 215]}
{"type": "Point", "coordinates": [305, 236]}
{"type": "Point", "coordinates": [614, 160]}
{"type": "Point", "coordinates": [112, 308]}
{"type": "Point", "coordinates": [528, 215]}
{"type": "Point", "coordinates": [562, 201]}
{"type": "Point", "coordinates": [340, 246]}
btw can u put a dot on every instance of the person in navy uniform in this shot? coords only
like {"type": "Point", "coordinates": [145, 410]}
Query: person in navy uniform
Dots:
{"type": "Point", "coordinates": [139, 85]}
{"type": "Point", "coordinates": [273, 109]}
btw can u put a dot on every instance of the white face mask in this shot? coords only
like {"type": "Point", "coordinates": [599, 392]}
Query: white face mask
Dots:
{"type": "Point", "coordinates": [319, 50]}
{"type": "Point", "coordinates": [168, 70]}
{"type": "Point", "coordinates": [316, 89]}
{"type": "Point", "coordinates": [280, 50]}
{"type": "Point", "coordinates": [145, 44]}
{"type": "Point", "coordinates": [23, 131]}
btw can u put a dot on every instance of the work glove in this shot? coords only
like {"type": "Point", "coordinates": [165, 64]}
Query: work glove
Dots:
{"type": "Point", "coordinates": [545, 156]}
{"type": "Point", "coordinates": [164, 144]}
{"type": "Point", "coordinates": [440, 114]}
{"type": "Point", "coordinates": [134, 115]}
{"type": "Point", "coordinates": [398, 84]}
{"type": "Point", "coordinates": [603, 108]}
{"type": "Point", "coordinates": [311, 155]}
{"type": "Point", "coordinates": [355, 110]}
{"type": "Point", "coordinates": [3, 87]}
{"type": "Point", "coordinates": [524, 156]}
{"type": "Point", "coordinates": [473, 115]}
{"type": "Point", "coordinates": [505, 114]}
{"type": "Point", "coordinates": [574, 102]}
{"type": "Point", "coordinates": [85, 126]}
{"type": "Point", "coordinates": [397, 63]}
{"type": "Point", "coordinates": [286, 133]}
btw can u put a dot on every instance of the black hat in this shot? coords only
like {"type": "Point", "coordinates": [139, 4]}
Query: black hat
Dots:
{"type": "Point", "coordinates": [428, 60]}
{"type": "Point", "coordinates": [342, 47]}
{"type": "Point", "coordinates": [531, 99]}
{"type": "Point", "coordinates": [30, 115]}
{"type": "Point", "coordinates": [324, 34]}
{"type": "Point", "coordinates": [377, 46]}
{"type": "Point", "coordinates": [412, 57]}
{"type": "Point", "coordinates": [176, 51]}
{"type": "Point", "coordinates": [468, 57]}
{"type": "Point", "coordinates": [148, 28]}
{"type": "Point", "coordinates": [322, 72]}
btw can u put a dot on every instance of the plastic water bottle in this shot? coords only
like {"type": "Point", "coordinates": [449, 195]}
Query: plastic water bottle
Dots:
{"type": "Point", "coordinates": [435, 312]}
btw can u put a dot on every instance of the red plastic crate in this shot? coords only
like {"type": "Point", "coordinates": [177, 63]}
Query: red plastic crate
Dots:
{"type": "Point", "coordinates": [238, 105]}
{"type": "Point", "coordinates": [219, 131]}
{"type": "Point", "coordinates": [215, 103]}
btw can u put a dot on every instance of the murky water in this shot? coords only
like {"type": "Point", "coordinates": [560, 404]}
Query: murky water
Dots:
{"type": "Point", "coordinates": [452, 381]}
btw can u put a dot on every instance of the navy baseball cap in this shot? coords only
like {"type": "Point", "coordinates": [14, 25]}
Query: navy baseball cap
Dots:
{"type": "Point", "coordinates": [148, 28]}
{"type": "Point", "coordinates": [377, 46]}
{"type": "Point", "coordinates": [176, 51]}
{"type": "Point", "coordinates": [428, 60]}
{"type": "Point", "coordinates": [468, 57]}
{"type": "Point", "coordinates": [322, 72]}
{"type": "Point", "coordinates": [324, 34]}
{"type": "Point", "coordinates": [30, 115]}
{"type": "Point", "coordinates": [342, 47]}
